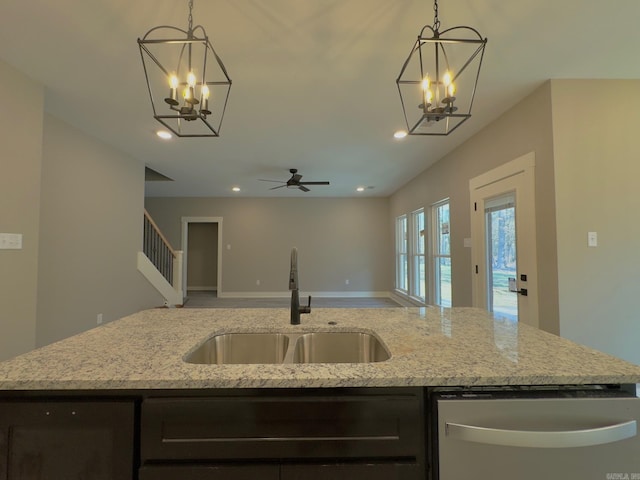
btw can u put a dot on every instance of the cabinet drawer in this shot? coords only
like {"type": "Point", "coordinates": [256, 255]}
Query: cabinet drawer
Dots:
{"type": "Point", "coordinates": [215, 472]}
{"type": "Point", "coordinates": [279, 426]}
{"type": "Point", "coordinates": [369, 471]}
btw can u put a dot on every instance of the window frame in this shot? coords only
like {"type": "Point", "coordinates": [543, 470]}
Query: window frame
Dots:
{"type": "Point", "coordinates": [418, 279]}
{"type": "Point", "coordinates": [402, 258]}
{"type": "Point", "coordinates": [436, 255]}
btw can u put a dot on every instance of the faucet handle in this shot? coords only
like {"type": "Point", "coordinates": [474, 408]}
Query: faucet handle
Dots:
{"type": "Point", "coordinates": [306, 309]}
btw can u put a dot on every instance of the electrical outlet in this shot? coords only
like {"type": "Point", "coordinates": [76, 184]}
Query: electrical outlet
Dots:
{"type": "Point", "coordinates": [10, 241]}
{"type": "Point", "coordinates": [99, 319]}
{"type": "Point", "coordinates": [346, 282]}
{"type": "Point", "coordinates": [258, 282]}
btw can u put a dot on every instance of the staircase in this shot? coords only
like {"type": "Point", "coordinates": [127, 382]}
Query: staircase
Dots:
{"type": "Point", "coordinates": [161, 264]}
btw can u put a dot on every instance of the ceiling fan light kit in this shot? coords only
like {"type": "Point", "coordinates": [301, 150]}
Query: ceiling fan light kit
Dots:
{"type": "Point", "coordinates": [437, 82]}
{"type": "Point", "coordinates": [188, 84]}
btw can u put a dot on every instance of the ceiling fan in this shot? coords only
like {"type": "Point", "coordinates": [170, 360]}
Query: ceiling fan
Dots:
{"type": "Point", "coordinates": [294, 181]}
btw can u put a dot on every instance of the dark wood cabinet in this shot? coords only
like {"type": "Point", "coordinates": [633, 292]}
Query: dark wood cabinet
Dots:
{"type": "Point", "coordinates": [66, 440]}
{"type": "Point", "coordinates": [364, 471]}
{"type": "Point", "coordinates": [230, 434]}
{"type": "Point", "coordinates": [211, 472]}
{"type": "Point", "coordinates": [324, 434]}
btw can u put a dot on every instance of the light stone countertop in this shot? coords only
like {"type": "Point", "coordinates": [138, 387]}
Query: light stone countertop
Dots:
{"type": "Point", "coordinates": [429, 347]}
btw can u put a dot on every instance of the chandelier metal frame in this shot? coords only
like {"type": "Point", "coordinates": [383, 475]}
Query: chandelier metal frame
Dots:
{"type": "Point", "coordinates": [441, 108]}
{"type": "Point", "coordinates": [196, 115]}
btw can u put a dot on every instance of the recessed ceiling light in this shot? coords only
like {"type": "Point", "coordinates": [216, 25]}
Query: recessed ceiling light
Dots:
{"type": "Point", "coordinates": [360, 189]}
{"type": "Point", "coordinates": [400, 134]}
{"type": "Point", "coordinates": [164, 134]}
{"type": "Point", "coordinates": [236, 189]}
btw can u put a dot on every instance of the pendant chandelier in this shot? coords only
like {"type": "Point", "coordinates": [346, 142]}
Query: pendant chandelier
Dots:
{"type": "Point", "coordinates": [437, 83]}
{"type": "Point", "coordinates": [187, 81]}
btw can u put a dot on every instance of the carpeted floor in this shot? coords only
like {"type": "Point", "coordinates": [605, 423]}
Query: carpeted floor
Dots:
{"type": "Point", "coordinates": [210, 300]}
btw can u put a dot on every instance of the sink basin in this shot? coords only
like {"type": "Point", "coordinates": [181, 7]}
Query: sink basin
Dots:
{"type": "Point", "coordinates": [339, 347]}
{"type": "Point", "coordinates": [233, 348]}
{"type": "Point", "coordinates": [275, 348]}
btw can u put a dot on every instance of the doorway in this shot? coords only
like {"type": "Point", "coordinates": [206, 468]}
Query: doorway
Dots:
{"type": "Point", "coordinates": [202, 261]}
{"type": "Point", "coordinates": [503, 239]}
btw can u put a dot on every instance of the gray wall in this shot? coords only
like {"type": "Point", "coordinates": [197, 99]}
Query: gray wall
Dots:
{"type": "Point", "coordinates": [337, 240]}
{"type": "Point", "coordinates": [20, 163]}
{"type": "Point", "coordinates": [597, 169]}
{"type": "Point", "coordinates": [90, 233]}
{"type": "Point", "coordinates": [523, 129]}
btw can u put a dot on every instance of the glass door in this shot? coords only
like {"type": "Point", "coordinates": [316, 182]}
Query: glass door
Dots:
{"type": "Point", "coordinates": [501, 256]}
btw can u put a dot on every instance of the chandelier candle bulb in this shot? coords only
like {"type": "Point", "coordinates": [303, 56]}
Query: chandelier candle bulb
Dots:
{"type": "Point", "coordinates": [173, 91]}
{"type": "Point", "coordinates": [205, 100]}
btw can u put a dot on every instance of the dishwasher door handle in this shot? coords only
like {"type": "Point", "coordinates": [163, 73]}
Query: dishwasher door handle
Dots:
{"type": "Point", "coordinates": [542, 439]}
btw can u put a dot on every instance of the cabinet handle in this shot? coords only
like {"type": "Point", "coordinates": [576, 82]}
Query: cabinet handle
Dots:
{"type": "Point", "coordinates": [537, 439]}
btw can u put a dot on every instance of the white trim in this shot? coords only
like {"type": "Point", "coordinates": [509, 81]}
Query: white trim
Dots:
{"type": "Point", "coordinates": [509, 169]}
{"type": "Point", "coordinates": [171, 296]}
{"type": "Point", "coordinates": [406, 300]}
{"type": "Point", "coordinates": [185, 243]}
{"type": "Point", "coordinates": [287, 293]}
{"type": "Point", "coordinates": [517, 176]}
{"type": "Point", "coordinates": [210, 288]}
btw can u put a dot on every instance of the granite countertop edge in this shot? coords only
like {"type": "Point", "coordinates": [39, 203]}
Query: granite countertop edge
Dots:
{"type": "Point", "coordinates": [428, 346]}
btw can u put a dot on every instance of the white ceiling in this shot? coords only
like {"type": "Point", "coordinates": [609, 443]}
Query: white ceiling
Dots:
{"type": "Point", "coordinates": [313, 80]}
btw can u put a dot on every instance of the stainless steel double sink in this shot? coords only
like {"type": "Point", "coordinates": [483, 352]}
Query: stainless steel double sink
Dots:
{"type": "Point", "coordinates": [296, 348]}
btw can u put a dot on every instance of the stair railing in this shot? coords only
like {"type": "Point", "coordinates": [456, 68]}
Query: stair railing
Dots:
{"type": "Point", "coordinates": [159, 251]}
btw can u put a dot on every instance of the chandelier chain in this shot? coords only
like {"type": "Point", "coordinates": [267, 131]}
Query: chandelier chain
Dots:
{"type": "Point", "coordinates": [436, 20]}
{"type": "Point", "coordinates": [190, 15]}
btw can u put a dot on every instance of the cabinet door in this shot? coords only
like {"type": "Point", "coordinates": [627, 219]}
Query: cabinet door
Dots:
{"type": "Point", "coordinates": [387, 471]}
{"type": "Point", "coordinates": [213, 472]}
{"type": "Point", "coordinates": [66, 440]}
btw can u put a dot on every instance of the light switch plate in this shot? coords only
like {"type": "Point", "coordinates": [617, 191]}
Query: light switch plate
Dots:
{"type": "Point", "coordinates": [592, 239]}
{"type": "Point", "coordinates": [10, 241]}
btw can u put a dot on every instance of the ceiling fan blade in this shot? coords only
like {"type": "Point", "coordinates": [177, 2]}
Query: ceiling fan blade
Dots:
{"type": "Point", "coordinates": [274, 181]}
{"type": "Point", "coordinates": [314, 183]}
{"type": "Point", "coordinates": [303, 188]}
{"type": "Point", "coordinates": [280, 186]}
{"type": "Point", "coordinates": [295, 178]}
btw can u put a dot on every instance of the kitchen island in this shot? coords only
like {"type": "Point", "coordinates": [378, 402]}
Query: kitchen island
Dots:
{"type": "Point", "coordinates": [122, 401]}
{"type": "Point", "coordinates": [429, 347]}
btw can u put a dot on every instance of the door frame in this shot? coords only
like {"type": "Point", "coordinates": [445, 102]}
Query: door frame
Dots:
{"type": "Point", "coordinates": [520, 175]}
{"type": "Point", "coordinates": [185, 247]}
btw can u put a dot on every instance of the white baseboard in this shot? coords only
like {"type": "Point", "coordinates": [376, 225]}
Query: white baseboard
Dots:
{"type": "Point", "coordinates": [405, 300]}
{"type": "Point", "coordinates": [202, 289]}
{"type": "Point", "coordinates": [287, 293]}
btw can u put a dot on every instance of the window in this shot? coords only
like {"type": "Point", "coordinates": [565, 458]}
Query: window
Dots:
{"type": "Point", "coordinates": [418, 281]}
{"type": "Point", "coordinates": [411, 255]}
{"type": "Point", "coordinates": [402, 270]}
{"type": "Point", "coordinates": [441, 255]}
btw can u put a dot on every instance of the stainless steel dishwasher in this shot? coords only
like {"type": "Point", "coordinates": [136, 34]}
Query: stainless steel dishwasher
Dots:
{"type": "Point", "coordinates": [534, 434]}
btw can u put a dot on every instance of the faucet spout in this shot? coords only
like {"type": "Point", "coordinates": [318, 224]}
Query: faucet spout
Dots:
{"type": "Point", "coordinates": [296, 309]}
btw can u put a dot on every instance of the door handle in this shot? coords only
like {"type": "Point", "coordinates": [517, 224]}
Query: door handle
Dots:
{"type": "Point", "coordinates": [541, 439]}
{"type": "Point", "coordinates": [514, 289]}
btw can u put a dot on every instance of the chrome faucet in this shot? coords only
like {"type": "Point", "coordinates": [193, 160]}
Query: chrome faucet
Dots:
{"type": "Point", "coordinates": [296, 309]}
